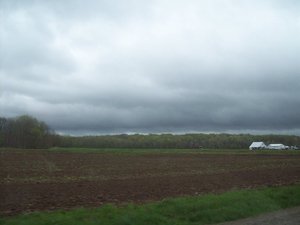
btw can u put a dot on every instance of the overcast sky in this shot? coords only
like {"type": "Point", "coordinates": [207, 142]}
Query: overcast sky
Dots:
{"type": "Point", "coordinates": [112, 66]}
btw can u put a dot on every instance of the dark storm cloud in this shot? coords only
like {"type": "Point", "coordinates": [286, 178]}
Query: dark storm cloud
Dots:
{"type": "Point", "coordinates": [152, 66]}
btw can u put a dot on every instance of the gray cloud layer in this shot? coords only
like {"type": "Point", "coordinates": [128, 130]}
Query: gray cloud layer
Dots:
{"type": "Point", "coordinates": [152, 66]}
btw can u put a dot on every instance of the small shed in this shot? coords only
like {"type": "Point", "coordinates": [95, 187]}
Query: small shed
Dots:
{"type": "Point", "coordinates": [257, 145]}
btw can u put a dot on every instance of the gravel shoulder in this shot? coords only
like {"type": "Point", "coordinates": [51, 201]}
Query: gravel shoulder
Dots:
{"type": "Point", "coordinates": [289, 216]}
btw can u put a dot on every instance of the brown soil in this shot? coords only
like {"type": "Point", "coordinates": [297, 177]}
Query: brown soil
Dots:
{"type": "Point", "coordinates": [42, 180]}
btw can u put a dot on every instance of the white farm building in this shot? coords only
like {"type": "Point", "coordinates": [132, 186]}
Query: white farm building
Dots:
{"type": "Point", "coordinates": [257, 145]}
{"type": "Point", "coordinates": [277, 146]}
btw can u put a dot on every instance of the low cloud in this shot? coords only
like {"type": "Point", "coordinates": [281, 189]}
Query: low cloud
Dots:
{"type": "Point", "coordinates": [152, 66]}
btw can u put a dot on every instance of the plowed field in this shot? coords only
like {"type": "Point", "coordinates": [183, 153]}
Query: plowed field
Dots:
{"type": "Point", "coordinates": [43, 180]}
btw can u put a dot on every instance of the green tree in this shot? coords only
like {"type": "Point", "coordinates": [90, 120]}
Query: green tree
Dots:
{"type": "Point", "coordinates": [25, 132]}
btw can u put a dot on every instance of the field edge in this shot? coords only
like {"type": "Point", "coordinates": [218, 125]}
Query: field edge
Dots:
{"type": "Point", "coordinates": [203, 209]}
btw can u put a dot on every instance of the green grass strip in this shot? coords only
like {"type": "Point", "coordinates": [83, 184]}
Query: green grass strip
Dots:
{"type": "Point", "coordinates": [169, 151]}
{"type": "Point", "coordinates": [206, 209]}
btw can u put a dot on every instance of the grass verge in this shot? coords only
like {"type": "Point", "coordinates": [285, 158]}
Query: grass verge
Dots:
{"type": "Point", "coordinates": [206, 209]}
{"type": "Point", "coordinates": [168, 151]}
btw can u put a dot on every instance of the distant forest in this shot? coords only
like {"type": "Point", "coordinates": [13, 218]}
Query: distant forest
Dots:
{"type": "Point", "coordinates": [210, 141]}
{"type": "Point", "coordinates": [28, 132]}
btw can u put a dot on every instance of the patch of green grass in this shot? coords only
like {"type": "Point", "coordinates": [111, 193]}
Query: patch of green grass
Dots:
{"type": "Point", "coordinates": [153, 151]}
{"type": "Point", "coordinates": [206, 209]}
{"type": "Point", "coordinates": [168, 151]}
{"type": "Point", "coordinates": [125, 150]}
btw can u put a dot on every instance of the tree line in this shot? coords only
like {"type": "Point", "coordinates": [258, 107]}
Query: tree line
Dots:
{"type": "Point", "coordinates": [210, 141]}
{"type": "Point", "coordinates": [28, 132]}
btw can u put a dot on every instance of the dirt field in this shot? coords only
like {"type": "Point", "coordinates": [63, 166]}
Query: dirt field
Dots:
{"type": "Point", "coordinates": [42, 180]}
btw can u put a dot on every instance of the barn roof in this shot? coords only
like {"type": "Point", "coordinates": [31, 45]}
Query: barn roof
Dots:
{"type": "Point", "coordinates": [257, 144]}
{"type": "Point", "coordinates": [276, 145]}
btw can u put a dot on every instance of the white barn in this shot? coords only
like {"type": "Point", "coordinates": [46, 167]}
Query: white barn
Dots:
{"type": "Point", "coordinates": [257, 145]}
{"type": "Point", "coordinates": [277, 146]}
